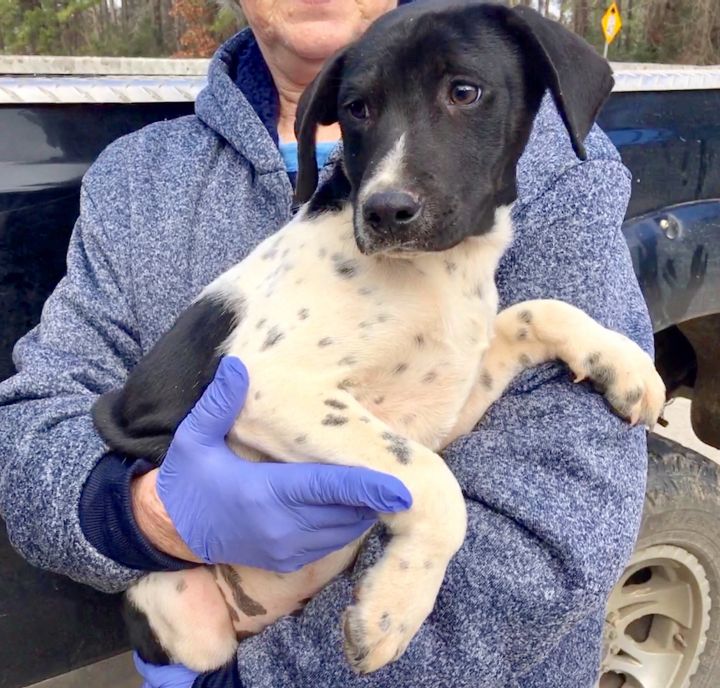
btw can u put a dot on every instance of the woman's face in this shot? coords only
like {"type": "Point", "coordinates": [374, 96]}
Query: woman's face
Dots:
{"type": "Point", "coordinates": [311, 29]}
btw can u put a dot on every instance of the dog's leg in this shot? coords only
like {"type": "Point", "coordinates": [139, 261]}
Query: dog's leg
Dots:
{"type": "Point", "coordinates": [533, 332]}
{"type": "Point", "coordinates": [180, 616]}
{"type": "Point", "coordinates": [333, 427]}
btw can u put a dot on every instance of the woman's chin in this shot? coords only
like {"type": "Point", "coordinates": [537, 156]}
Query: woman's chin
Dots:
{"type": "Point", "coordinates": [318, 40]}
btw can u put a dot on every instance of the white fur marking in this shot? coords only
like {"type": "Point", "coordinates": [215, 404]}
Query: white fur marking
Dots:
{"type": "Point", "coordinates": [388, 173]}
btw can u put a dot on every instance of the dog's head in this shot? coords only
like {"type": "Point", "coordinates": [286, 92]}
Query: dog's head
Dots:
{"type": "Point", "coordinates": [436, 103]}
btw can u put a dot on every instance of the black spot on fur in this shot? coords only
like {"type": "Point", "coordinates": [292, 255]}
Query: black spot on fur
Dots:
{"type": "Point", "coordinates": [332, 419]}
{"type": "Point", "coordinates": [246, 604]}
{"type": "Point", "coordinates": [450, 267]}
{"type": "Point", "coordinates": [181, 586]}
{"type": "Point", "coordinates": [347, 361]}
{"type": "Point", "coordinates": [140, 419]}
{"type": "Point", "coordinates": [331, 196]}
{"type": "Point", "coordinates": [486, 379]}
{"type": "Point", "coordinates": [379, 400]}
{"type": "Point", "coordinates": [602, 376]}
{"type": "Point", "coordinates": [301, 439]}
{"type": "Point", "coordinates": [404, 564]}
{"type": "Point", "coordinates": [592, 359]}
{"type": "Point", "coordinates": [347, 269]}
{"type": "Point", "coordinates": [524, 360]}
{"type": "Point", "coordinates": [525, 316]}
{"type": "Point", "coordinates": [258, 395]}
{"type": "Point", "coordinates": [303, 313]}
{"type": "Point", "coordinates": [274, 335]}
{"type": "Point", "coordinates": [142, 637]}
{"type": "Point", "coordinates": [260, 323]}
{"type": "Point", "coordinates": [429, 377]}
{"type": "Point", "coordinates": [633, 396]}
{"type": "Point", "coordinates": [420, 340]}
{"type": "Point", "coordinates": [427, 564]}
{"type": "Point", "coordinates": [234, 616]}
{"type": "Point", "coordinates": [398, 446]}
{"type": "Point", "coordinates": [384, 622]}
{"type": "Point", "coordinates": [334, 403]}
{"type": "Point", "coordinates": [522, 334]}
{"type": "Point", "coordinates": [400, 368]}
{"type": "Point", "coordinates": [325, 341]}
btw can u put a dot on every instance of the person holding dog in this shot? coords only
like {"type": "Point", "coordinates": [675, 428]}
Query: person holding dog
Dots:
{"type": "Point", "coordinates": [553, 482]}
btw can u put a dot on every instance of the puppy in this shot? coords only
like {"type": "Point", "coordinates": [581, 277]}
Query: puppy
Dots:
{"type": "Point", "coordinates": [368, 323]}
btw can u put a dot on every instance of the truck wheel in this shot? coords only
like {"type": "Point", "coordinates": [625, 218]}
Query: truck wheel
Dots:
{"type": "Point", "coordinates": [662, 628]}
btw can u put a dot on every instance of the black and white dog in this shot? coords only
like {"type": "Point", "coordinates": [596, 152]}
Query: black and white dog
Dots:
{"type": "Point", "coordinates": [369, 321]}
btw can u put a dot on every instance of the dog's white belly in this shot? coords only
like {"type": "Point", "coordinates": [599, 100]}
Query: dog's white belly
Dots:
{"type": "Point", "coordinates": [343, 350]}
{"type": "Point", "coordinates": [404, 340]}
{"type": "Point", "coordinates": [402, 343]}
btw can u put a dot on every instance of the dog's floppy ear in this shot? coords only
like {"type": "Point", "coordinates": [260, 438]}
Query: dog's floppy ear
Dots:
{"type": "Point", "coordinates": [578, 78]}
{"type": "Point", "coordinates": [318, 105]}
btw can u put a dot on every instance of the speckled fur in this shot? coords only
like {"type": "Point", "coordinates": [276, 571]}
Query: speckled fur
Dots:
{"type": "Point", "coordinates": [349, 354]}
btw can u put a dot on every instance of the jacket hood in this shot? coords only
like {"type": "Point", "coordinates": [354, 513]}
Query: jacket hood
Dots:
{"type": "Point", "coordinates": [240, 102]}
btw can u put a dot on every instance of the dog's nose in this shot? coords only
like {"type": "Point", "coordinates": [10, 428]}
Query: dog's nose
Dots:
{"type": "Point", "coordinates": [389, 210]}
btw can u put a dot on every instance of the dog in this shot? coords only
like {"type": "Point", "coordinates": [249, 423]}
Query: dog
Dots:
{"type": "Point", "coordinates": [372, 315]}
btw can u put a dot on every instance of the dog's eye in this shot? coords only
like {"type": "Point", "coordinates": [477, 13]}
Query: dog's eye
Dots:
{"type": "Point", "coordinates": [358, 109]}
{"type": "Point", "coordinates": [462, 93]}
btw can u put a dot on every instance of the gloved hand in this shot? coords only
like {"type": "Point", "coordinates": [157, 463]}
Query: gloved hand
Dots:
{"type": "Point", "coordinates": [269, 515]}
{"type": "Point", "coordinates": [170, 676]}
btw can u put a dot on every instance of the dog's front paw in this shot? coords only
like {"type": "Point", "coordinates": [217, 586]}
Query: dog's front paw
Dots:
{"type": "Point", "coordinates": [626, 375]}
{"type": "Point", "coordinates": [380, 625]}
{"type": "Point", "coordinates": [373, 638]}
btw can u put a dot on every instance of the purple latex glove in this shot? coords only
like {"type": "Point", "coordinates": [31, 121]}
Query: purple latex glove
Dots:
{"type": "Point", "coordinates": [269, 515]}
{"type": "Point", "coordinates": [170, 676]}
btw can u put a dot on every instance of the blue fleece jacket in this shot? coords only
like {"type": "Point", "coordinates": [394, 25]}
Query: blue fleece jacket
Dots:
{"type": "Point", "coordinates": [554, 482]}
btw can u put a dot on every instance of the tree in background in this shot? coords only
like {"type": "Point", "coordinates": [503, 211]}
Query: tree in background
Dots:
{"type": "Point", "coordinates": [667, 31]}
{"type": "Point", "coordinates": [128, 28]}
{"type": "Point", "coordinates": [670, 31]}
{"type": "Point", "coordinates": [197, 16]}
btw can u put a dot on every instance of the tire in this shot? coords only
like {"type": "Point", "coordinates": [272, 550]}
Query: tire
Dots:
{"type": "Point", "coordinates": [662, 628]}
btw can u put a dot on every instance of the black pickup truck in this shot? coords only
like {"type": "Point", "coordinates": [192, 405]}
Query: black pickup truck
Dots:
{"type": "Point", "coordinates": [663, 619]}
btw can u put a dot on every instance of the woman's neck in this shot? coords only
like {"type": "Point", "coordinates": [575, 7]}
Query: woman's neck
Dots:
{"type": "Point", "coordinates": [291, 76]}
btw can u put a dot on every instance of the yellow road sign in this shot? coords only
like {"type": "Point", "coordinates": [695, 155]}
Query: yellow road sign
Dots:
{"type": "Point", "coordinates": [611, 23]}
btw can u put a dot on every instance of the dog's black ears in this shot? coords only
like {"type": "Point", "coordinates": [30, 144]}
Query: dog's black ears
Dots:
{"type": "Point", "coordinates": [318, 105]}
{"type": "Point", "coordinates": [578, 78]}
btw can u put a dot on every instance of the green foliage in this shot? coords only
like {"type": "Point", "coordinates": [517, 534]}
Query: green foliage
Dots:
{"type": "Point", "coordinates": [129, 28]}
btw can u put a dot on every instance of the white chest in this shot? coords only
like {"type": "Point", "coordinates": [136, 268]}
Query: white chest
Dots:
{"type": "Point", "coordinates": [404, 336]}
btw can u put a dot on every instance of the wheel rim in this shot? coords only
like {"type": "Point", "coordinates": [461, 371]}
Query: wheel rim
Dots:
{"type": "Point", "coordinates": [657, 620]}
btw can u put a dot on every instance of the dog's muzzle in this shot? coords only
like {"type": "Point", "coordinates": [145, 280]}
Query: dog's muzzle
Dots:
{"type": "Point", "coordinates": [389, 219]}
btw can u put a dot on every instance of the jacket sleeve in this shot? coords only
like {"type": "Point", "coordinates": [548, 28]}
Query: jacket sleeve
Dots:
{"type": "Point", "coordinates": [84, 345]}
{"type": "Point", "coordinates": [554, 484]}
